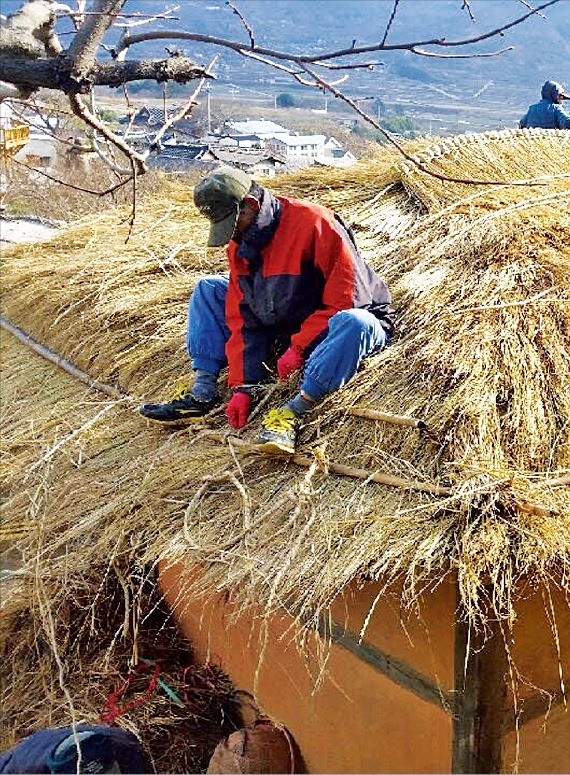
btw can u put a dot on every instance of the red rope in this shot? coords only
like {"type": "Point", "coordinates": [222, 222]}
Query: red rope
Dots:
{"type": "Point", "coordinates": [111, 709]}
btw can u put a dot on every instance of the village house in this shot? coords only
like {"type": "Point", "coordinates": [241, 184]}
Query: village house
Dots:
{"type": "Point", "coordinates": [181, 158]}
{"type": "Point", "coordinates": [233, 139]}
{"type": "Point", "coordinates": [260, 147]}
{"type": "Point", "coordinates": [335, 155]}
{"type": "Point", "coordinates": [41, 150]}
{"type": "Point", "coordinates": [263, 129]}
{"type": "Point", "coordinates": [256, 163]}
{"type": "Point", "coordinates": [149, 116]}
{"type": "Point", "coordinates": [303, 148]}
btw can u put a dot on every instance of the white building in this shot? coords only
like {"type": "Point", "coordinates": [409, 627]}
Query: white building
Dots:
{"type": "Point", "coordinates": [7, 116]}
{"type": "Point", "coordinates": [257, 163]}
{"type": "Point", "coordinates": [298, 147]}
{"type": "Point", "coordinates": [262, 129]}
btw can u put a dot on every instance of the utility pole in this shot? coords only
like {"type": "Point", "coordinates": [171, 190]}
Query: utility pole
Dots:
{"type": "Point", "coordinates": [208, 108]}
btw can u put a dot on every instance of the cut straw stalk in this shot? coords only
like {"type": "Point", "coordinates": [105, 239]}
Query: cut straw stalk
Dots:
{"type": "Point", "coordinates": [559, 482]}
{"type": "Point", "coordinates": [387, 417]}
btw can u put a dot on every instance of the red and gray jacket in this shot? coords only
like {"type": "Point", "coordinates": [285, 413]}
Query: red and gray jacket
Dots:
{"type": "Point", "coordinates": [296, 266]}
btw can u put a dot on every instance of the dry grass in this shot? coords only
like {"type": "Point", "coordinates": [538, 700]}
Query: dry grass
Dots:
{"type": "Point", "coordinates": [62, 660]}
{"type": "Point", "coordinates": [481, 279]}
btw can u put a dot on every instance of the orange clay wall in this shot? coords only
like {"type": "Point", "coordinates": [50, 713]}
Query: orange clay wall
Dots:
{"type": "Point", "coordinates": [540, 648]}
{"type": "Point", "coordinates": [345, 714]}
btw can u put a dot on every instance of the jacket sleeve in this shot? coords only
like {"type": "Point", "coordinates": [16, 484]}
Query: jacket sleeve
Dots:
{"type": "Point", "coordinates": [562, 119]}
{"type": "Point", "coordinates": [335, 257]}
{"type": "Point", "coordinates": [247, 348]}
{"type": "Point", "coordinates": [524, 120]}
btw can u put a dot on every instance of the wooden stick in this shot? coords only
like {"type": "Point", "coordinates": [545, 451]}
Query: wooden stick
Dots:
{"type": "Point", "coordinates": [335, 468]}
{"type": "Point", "coordinates": [392, 419]}
{"type": "Point", "coordinates": [558, 482]}
{"type": "Point", "coordinates": [58, 360]}
{"type": "Point", "coordinates": [374, 476]}
{"type": "Point", "coordinates": [536, 509]}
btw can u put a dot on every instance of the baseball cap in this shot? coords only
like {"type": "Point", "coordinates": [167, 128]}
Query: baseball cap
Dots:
{"type": "Point", "coordinates": [218, 197]}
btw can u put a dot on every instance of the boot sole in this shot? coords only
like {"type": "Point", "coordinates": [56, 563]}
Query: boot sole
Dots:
{"type": "Point", "coordinates": [274, 448]}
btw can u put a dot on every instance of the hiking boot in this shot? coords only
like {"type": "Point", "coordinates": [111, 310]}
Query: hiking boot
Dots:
{"type": "Point", "coordinates": [183, 408]}
{"type": "Point", "coordinates": [279, 432]}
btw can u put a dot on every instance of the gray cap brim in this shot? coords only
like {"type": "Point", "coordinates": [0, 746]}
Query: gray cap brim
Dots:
{"type": "Point", "coordinates": [221, 231]}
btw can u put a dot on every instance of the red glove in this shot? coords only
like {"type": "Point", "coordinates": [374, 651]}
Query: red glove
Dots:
{"type": "Point", "coordinates": [290, 361]}
{"type": "Point", "coordinates": [238, 409]}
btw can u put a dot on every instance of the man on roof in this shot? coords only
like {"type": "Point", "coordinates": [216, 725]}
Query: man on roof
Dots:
{"type": "Point", "coordinates": [298, 290]}
{"type": "Point", "coordinates": [547, 113]}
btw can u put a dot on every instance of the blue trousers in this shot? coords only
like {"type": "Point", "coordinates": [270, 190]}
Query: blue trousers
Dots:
{"type": "Point", "coordinates": [352, 335]}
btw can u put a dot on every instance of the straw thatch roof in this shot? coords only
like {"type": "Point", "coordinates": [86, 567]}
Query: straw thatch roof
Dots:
{"type": "Point", "coordinates": [481, 280]}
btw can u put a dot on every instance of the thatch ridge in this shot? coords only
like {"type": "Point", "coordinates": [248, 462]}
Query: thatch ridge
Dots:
{"type": "Point", "coordinates": [482, 283]}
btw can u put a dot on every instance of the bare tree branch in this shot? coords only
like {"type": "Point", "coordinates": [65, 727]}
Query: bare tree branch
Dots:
{"type": "Point", "coordinates": [184, 111]}
{"type": "Point", "coordinates": [29, 32]}
{"type": "Point", "coordinates": [58, 73]}
{"type": "Point", "coordinates": [244, 22]}
{"type": "Point", "coordinates": [140, 18]}
{"type": "Point", "coordinates": [433, 42]}
{"type": "Point", "coordinates": [352, 66]}
{"type": "Point", "coordinates": [85, 115]}
{"type": "Point", "coordinates": [467, 7]}
{"type": "Point", "coordinates": [133, 214]}
{"type": "Point", "coordinates": [79, 16]}
{"type": "Point", "coordinates": [437, 55]}
{"type": "Point", "coordinates": [528, 5]}
{"type": "Point", "coordinates": [108, 160]}
{"type": "Point", "coordinates": [106, 192]}
{"type": "Point", "coordinates": [131, 40]}
{"type": "Point", "coordinates": [77, 70]}
{"type": "Point", "coordinates": [390, 21]}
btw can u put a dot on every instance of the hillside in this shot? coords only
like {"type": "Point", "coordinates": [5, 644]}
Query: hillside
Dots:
{"type": "Point", "coordinates": [541, 43]}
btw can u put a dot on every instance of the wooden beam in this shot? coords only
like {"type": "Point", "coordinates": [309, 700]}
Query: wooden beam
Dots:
{"type": "Point", "coordinates": [58, 360]}
{"type": "Point", "coordinates": [398, 672]}
{"type": "Point", "coordinates": [481, 692]}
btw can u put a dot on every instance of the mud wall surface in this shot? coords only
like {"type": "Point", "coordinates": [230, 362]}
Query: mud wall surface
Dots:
{"type": "Point", "coordinates": [540, 648]}
{"type": "Point", "coordinates": [381, 709]}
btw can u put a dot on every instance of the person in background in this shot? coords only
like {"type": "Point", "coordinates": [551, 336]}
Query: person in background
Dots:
{"type": "Point", "coordinates": [297, 290]}
{"type": "Point", "coordinates": [547, 113]}
{"type": "Point", "coordinates": [103, 750]}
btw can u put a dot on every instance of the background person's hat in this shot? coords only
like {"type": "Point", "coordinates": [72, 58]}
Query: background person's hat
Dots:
{"type": "Point", "coordinates": [218, 197]}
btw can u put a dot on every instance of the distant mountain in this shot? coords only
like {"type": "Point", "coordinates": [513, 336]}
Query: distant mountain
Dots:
{"type": "Point", "coordinates": [541, 44]}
